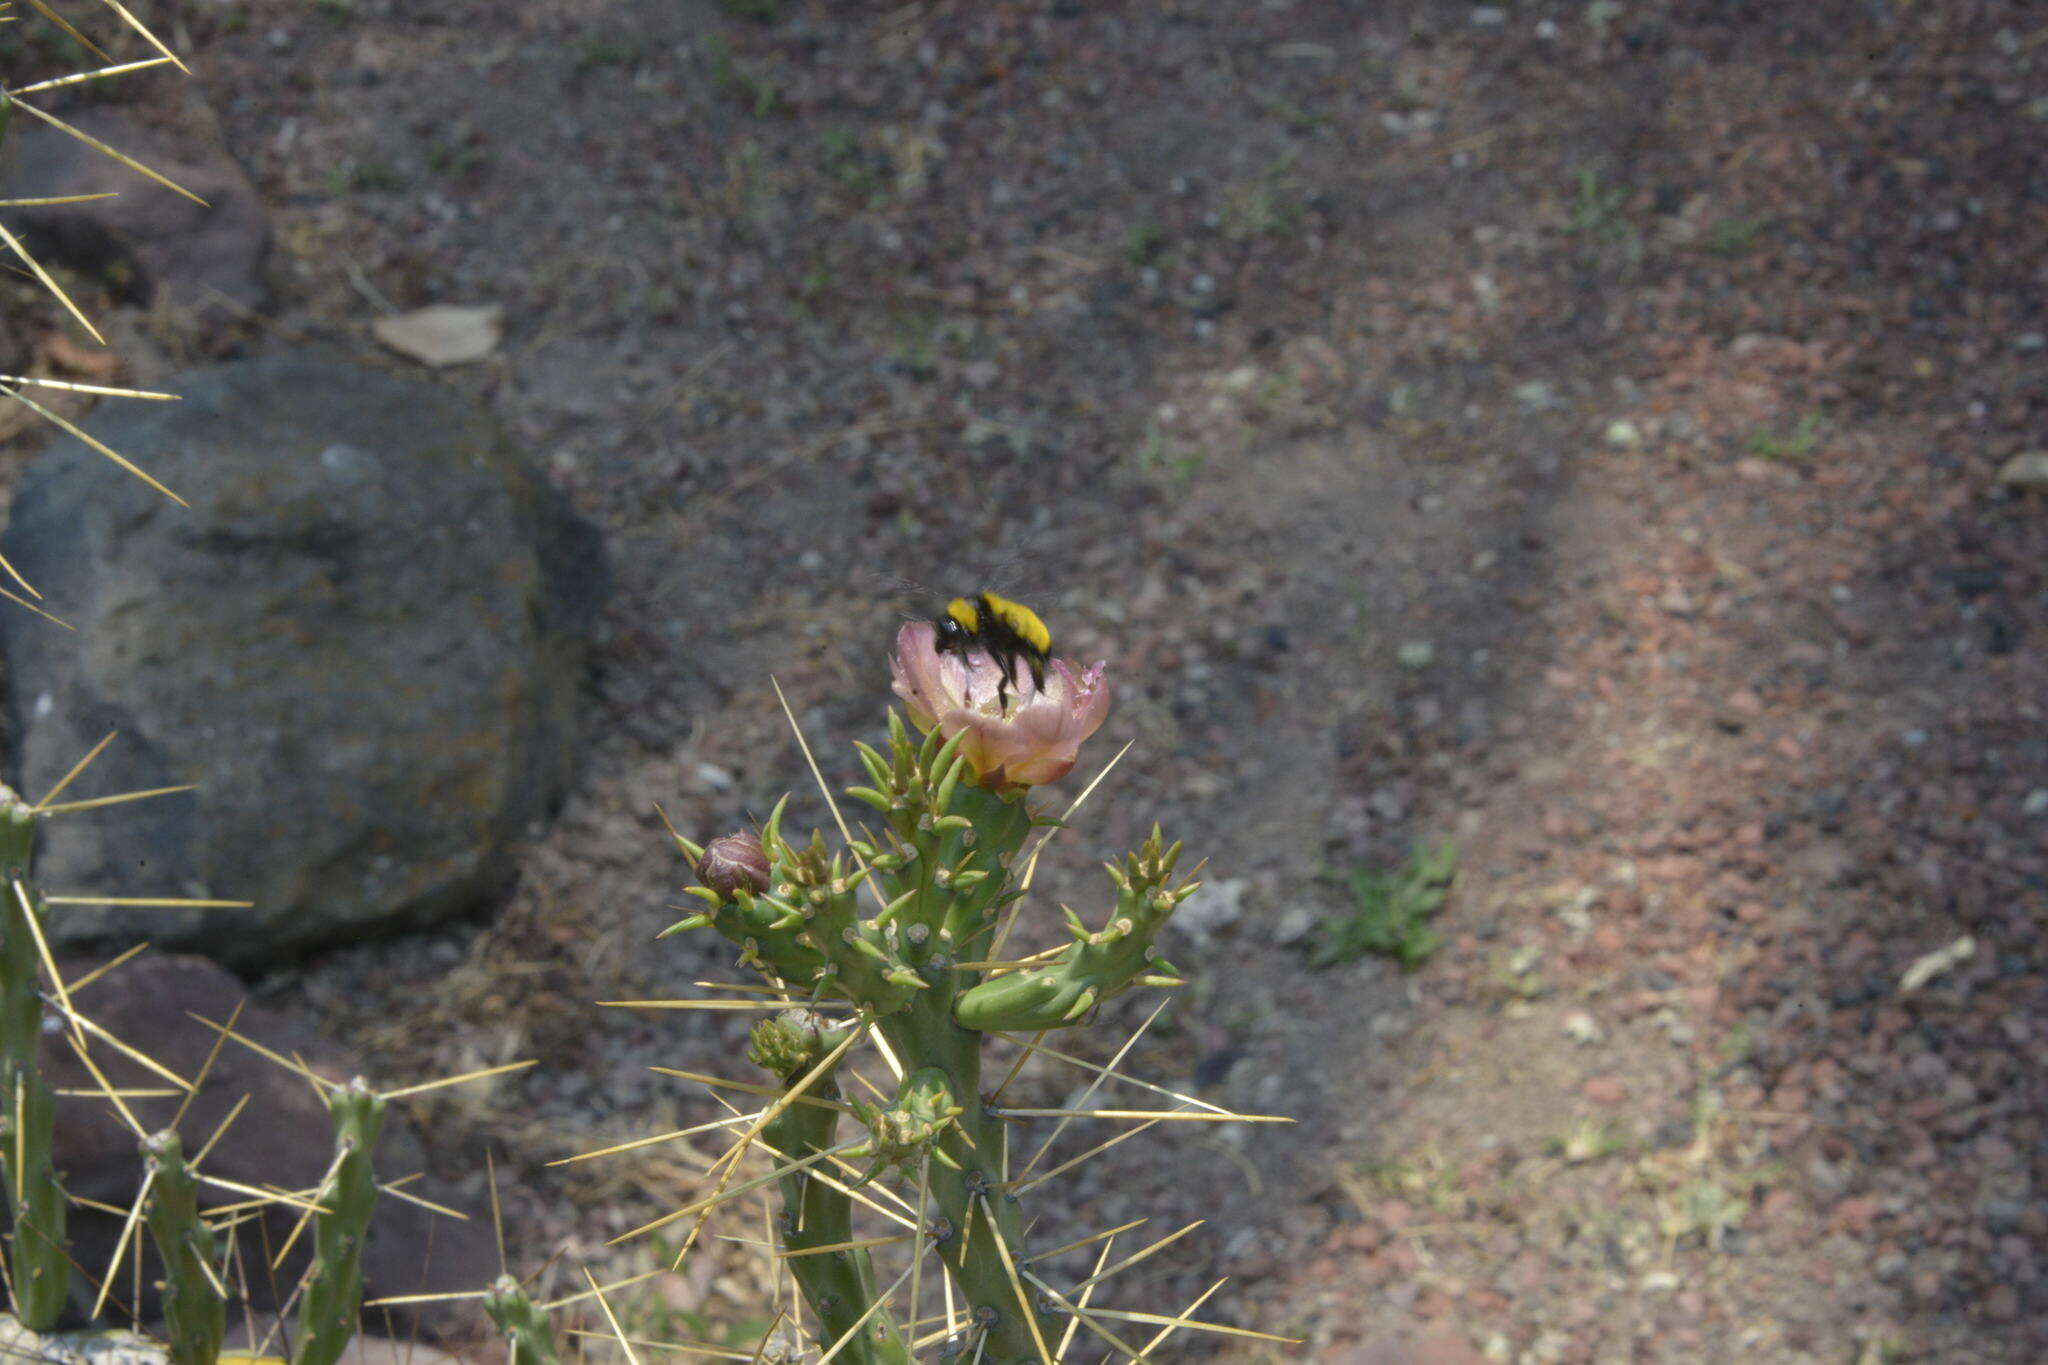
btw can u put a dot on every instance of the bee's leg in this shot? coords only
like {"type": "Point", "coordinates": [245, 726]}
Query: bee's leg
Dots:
{"type": "Point", "coordinates": [1037, 671]}
{"type": "Point", "coordinates": [1008, 664]}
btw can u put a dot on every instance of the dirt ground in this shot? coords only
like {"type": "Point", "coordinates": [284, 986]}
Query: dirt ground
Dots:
{"type": "Point", "coordinates": [1570, 430]}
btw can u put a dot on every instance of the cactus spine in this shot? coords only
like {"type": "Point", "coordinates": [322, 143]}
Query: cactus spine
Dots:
{"type": "Point", "coordinates": [334, 1294]}
{"type": "Point", "coordinates": [39, 1272]}
{"type": "Point", "coordinates": [194, 1311]}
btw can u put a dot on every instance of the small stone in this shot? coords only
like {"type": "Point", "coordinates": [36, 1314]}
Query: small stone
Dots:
{"type": "Point", "coordinates": [2036, 802]}
{"type": "Point", "coordinates": [1489, 16]}
{"type": "Point", "coordinates": [1605, 1090]}
{"type": "Point", "coordinates": [1296, 923]}
{"type": "Point", "coordinates": [1444, 1346]}
{"type": "Point", "coordinates": [1417, 654]}
{"type": "Point", "coordinates": [1855, 1214]}
{"type": "Point", "coordinates": [2028, 469]}
{"type": "Point", "coordinates": [1623, 434]}
{"type": "Point", "coordinates": [1215, 906]}
{"type": "Point", "coordinates": [2002, 1304]}
{"type": "Point", "coordinates": [1583, 1029]}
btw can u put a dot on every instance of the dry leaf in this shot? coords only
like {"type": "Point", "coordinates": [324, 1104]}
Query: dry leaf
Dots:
{"type": "Point", "coordinates": [1930, 965]}
{"type": "Point", "coordinates": [445, 334]}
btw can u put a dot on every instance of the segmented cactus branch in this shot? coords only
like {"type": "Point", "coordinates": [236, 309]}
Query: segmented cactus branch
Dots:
{"type": "Point", "coordinates": [1097, 965]}
{"type": "Point", "coordinates": [39, 1271]}
{"type": "Point", "coordinates": [195, 1313]}
{"type": "Point", "coordinates": [334, 1294]}
{"type": "Point", "coordinates": [524, 1323]}
{"type": "Point", "coordinates": [838, 1285]}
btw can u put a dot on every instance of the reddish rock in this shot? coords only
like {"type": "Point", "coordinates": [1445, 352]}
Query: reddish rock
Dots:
{"type": "Point", "coordinates": [1364, 1237]}
{"type": "Point", "coordinates": [1855, 1214]}
{"type": "Point", "coordinates": [1445, 1346]}
{"type": "Point", "coordinates": [284, 1136]}
{"type": "Point", "coordinates": [1605, 1090]}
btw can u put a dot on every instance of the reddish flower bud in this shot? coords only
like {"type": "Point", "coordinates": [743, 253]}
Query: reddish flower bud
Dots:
{"type": "Point", "coordinates": [734, 862]}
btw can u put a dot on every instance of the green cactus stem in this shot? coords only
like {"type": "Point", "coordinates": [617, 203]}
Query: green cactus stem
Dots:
{"type": "Point", "coordinates": [1096, 965]}
{"type": "Point", "coordinates": [524, 1323]}
{"type": "Point", "coordinates": [903, 1131]}
{"type": "Point", "coordinates": [966, 1181]}
{"type": "Point", "coordinates": [195, 1314]}
{"type": "Point", "coordinates": [39, 1270]}
{"type": "Point", "coordinates": [838, 1285]}
{"type": "Point", "coordinates": [334, 1294]}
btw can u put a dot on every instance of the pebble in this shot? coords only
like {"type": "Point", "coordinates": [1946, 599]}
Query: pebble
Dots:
{"type": "Point", "coordinates": [1583, 1029]}
{"type": "Point", "coordinates": [1604, 1090]}
{"type": "Point", "coordinates": [1623, 434]}
{"type": "Point", "coordinates": [1296, 923]}
{"type": "Point", "coordinates": [2028, 469]}
{"type": "Point", "coordinates": [1417, 654]}
{"type": "Point", "coordinates": [2036, 802]}
{"type": "Point", "coordinates": [1215, 906]}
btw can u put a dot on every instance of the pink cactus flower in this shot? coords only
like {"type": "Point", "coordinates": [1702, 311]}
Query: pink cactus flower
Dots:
{"type": "Point", "coordinates": [1031, 741]}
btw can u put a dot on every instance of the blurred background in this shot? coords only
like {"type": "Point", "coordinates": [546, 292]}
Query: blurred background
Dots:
{"type": "Point", "coordinates": [1588, 455]}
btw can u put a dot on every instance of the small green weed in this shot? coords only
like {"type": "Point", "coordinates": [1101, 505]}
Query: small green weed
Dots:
{"type": "Point", "coordinates": [760, 94]}
{"type": "Point", "coordinates": [1163, 458]}
{"type": "Point", "coordinates": [1796, 444]}
{"type": "Point", "coordinates": [1733, 236]}
{"type": "Point", "coordinates": [1597, 208]}
{"type": "Point", "coordinates": [364, 177]}
{"type": "Point", "coordinates": [1739, 1045]}
{"type": "Point", "coordinates": [1258, 208]}
{"type": "Point", "coordinates": [1144, 244]}
{"type": "Point", "coordinates": [1704, 1208]}
{"type": "Point", "coordinates": [598, 53]}
{"type": "Point", "coordinates": [1588, 1140]}
{"type": "Point", "coordinates": [1391, 911]}
{"type": "Point", "coordinates": [848, 164]}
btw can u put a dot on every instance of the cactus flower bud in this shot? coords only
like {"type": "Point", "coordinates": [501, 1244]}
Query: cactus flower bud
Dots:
{"type": "Point", "coordinates": [1029, 738]}
{"type": "Point", "coordinates": [734, 862]}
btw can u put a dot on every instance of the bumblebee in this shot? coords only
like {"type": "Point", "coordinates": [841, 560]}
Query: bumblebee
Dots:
{"type": "Point", "coordinates": [1004, 630]}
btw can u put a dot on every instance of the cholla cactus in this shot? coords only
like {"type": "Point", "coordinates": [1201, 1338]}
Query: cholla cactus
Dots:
{"type": "Point", "coordinates": [892, 937]}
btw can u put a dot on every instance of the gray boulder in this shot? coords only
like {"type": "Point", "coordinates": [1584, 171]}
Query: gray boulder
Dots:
{"type": "Point", "coordinates": [362, 641]}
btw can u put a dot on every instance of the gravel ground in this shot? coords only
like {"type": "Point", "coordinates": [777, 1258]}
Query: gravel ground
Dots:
{"type": "Point", "coordinates": [1573, 431]}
